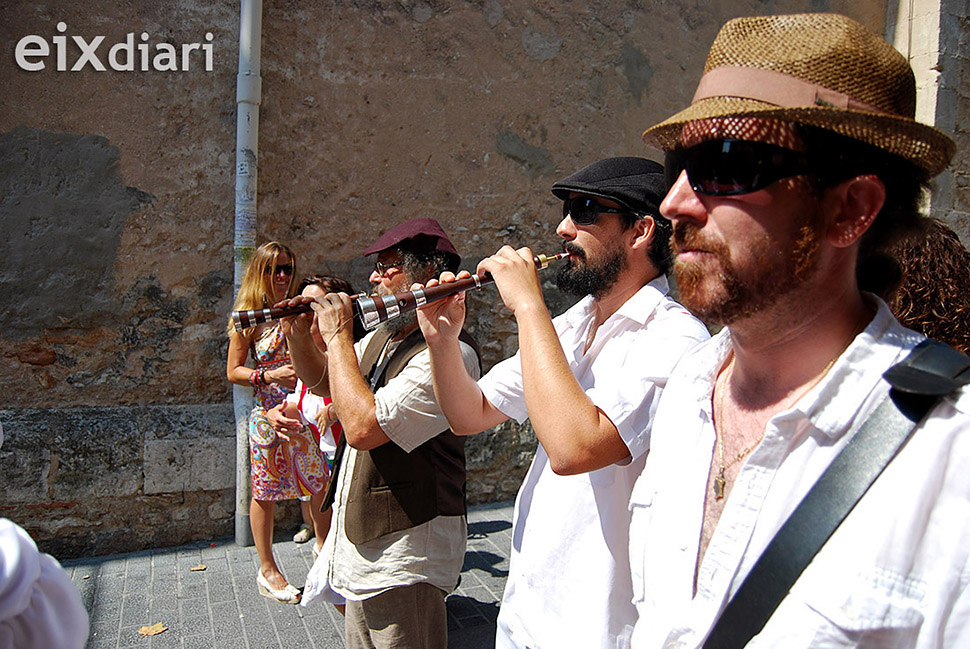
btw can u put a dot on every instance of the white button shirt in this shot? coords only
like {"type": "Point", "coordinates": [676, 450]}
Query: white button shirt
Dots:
{"type": "Point", "coordinates": [569, 582]}
{"type": "Point", "coordinates": [894, 574]}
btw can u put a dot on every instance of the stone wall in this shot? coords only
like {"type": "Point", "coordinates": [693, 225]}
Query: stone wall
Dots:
{"type": "Point", "coordinates": [100, 479]}
{"type": "Point", "coordinates": [116, 201]}
{"type": "Point", "coordinates": [953, 113]}
{"type": "Point", "coordinates": [935, 35]}
{"type": "Point", "coordinates": [92, 480]}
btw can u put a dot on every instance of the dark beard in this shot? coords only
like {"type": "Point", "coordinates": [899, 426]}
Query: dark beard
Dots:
{"type": "Point", "coordinates": [577, 277]}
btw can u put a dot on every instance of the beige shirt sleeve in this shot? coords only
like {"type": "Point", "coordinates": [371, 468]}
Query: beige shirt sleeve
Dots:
{"type": "Point", "coordinates": [406, 408]}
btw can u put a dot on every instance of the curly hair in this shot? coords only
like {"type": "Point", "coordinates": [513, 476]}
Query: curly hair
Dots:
{"type": "Point", "coordinates": [328, 283]}
{"type": "Point", "coordinates": [934, 296]}
{"type": "Point", "coordinates": [420, 266]}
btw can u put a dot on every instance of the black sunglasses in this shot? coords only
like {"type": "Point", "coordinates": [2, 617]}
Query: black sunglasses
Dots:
{"type": "Point", "coordinates": [731, 167]}
{"type": "Point", "coordinates": [286, 269]}
{"type": "Point", "coordinates": [585, 211]}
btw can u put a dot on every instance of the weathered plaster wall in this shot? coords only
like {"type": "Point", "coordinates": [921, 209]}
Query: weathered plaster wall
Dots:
{"type": "Point", "coordinates": [116, 203]}
{"type": "Point", "coordinates": [953, 112]}
{"type": "Point", "coordinates": [935, 36]}
{"type": "Point", "coordinates": [116, 209]}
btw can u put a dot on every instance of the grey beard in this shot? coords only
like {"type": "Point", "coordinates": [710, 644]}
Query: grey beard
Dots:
{"type": "Point", "coordinates": [396, 325]}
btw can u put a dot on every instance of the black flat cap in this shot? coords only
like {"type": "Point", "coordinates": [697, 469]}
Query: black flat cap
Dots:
{"type": "Point", "coordinates": [635, 183]}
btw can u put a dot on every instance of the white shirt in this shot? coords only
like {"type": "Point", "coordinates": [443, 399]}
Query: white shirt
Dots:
{"type": "Point", "coordinates": [569, 583]}
{"type": "Point", "coordinates": [894, 574]}
{"type": "Point", "coordinates": [309, 406]}
{"type": "Point", "coordinates": [432, 552]}
{"type": "Point", "coordinates": [40, 607]}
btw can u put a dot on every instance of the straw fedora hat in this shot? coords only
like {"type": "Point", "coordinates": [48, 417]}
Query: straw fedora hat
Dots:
{"type": "Point", "coordinates": [823, 70]}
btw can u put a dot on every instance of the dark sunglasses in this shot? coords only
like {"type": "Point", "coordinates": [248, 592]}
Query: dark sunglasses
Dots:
{"type": "Point", "coordinates": [585, 211]}
{"type": "Point", "coordinates": [731, 167]}
{"type": "Point", "coordinates": [286, 269]}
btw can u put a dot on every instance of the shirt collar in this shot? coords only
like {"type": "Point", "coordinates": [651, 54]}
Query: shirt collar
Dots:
{"type": "Point", "coordinates": [643, 303]}
{"type": "Point", "coordinates": [858, 372]}
{"type": "Point", "coordinates": [835, 401]}
{"type": "Point", "coordinates": [639, 307]}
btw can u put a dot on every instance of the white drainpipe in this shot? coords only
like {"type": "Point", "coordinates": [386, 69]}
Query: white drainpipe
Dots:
{"type": "Point", "coordinates": [248, 91]}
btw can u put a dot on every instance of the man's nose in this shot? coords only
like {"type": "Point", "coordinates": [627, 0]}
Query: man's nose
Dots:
{"type": "Point", "coordinates": [682, 202]}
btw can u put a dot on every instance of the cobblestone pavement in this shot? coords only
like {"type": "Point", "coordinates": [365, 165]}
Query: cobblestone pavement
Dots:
{"type": "Point", "coordinates": [220, 607]}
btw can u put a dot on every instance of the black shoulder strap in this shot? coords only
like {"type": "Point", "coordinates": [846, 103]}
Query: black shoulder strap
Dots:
{"type": "Point", "coordinates": [931, 370]}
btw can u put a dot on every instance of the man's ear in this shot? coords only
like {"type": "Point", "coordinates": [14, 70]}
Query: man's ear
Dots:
{"type": "Point", "coordinates": [643, 231]}
{"type": "Point", "coordinates": [855, 203]}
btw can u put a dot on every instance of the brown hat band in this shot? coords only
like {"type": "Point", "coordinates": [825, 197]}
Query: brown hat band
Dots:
{"type": "Point", "coordinates": [775, 88]}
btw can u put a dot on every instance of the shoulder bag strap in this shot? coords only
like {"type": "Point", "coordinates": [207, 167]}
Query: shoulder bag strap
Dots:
{"type": "Point", "coordinates": [931, 370]}
{"type": "Point", "coordinates": [368, 368]}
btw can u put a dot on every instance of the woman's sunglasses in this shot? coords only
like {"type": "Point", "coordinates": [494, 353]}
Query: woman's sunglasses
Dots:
{"type": "Point", "coordinates": [731, 167]}
{"type": "Point", "coordinates": [286, 269]}
{"type": "Point", "coordinates": [585, 211]}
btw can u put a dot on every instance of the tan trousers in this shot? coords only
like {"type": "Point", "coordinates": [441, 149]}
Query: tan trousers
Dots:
{"type": "Point", "coordinates": [410, 617]}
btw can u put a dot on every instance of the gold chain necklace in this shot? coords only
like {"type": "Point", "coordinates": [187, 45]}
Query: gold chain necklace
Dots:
{"type": "Point", "coordinates": [720, 481]}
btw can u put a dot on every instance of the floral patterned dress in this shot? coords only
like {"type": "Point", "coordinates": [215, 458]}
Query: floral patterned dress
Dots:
{"type": "Point", "coordinates": [280, 470]}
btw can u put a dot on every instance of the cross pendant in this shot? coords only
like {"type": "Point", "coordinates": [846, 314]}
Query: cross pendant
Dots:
{"type": "Point", "coordinates": [719, 483]}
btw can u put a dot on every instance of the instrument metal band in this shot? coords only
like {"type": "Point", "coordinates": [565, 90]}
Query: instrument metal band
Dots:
{"type": "Point", "coordinates": [369, 314]}
{"type": "Point", "coordinates": [251, 318]}
{"type": "Point", "coordinates": [391, 308]}
{"type": "Point", "coordinates": [419, 299]}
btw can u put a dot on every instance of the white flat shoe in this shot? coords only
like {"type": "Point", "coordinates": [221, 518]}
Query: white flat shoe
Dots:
{"type": "Point", "coordinates": [304, 535]}
{"type": "Point", "coordinates": [288, 595]}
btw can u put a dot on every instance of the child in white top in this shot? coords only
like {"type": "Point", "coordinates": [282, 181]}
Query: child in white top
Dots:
{"type": "Point", "coordinates": [303, 408]}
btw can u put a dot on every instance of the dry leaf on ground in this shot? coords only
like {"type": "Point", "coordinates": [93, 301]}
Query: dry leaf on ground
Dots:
{"type": "Point", "coordinates": [154, 629]}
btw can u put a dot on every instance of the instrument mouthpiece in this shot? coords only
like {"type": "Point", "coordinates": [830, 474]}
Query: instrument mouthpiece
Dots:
{"type": "Point", "coordinates": [542, 261]}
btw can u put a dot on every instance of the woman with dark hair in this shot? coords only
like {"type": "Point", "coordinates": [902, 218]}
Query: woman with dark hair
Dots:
{"type": "Point", "coordinates": [304, 413]}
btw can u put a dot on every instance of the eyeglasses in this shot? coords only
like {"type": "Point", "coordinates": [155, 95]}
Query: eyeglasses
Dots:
{"type": "Point", "coordinates": [731, 167]}
{"type": "Point", "coordinates": [286, 269]}
{"type": "Point", "coordinates": [585, 211]}
{"type": "Point", "coordinates": [381, 268]}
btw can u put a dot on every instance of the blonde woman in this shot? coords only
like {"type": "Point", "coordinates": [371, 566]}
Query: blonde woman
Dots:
{"type": "Point", "coordinates": [269, 279]}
